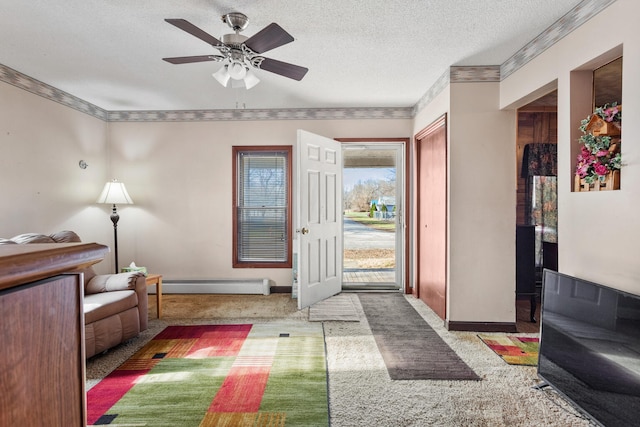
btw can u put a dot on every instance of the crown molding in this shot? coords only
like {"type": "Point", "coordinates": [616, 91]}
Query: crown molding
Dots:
{"type": "Point", "coordinates": [458, 74]}
{"type": "Point", "coordinates": [558, 30]}
{"type": "Point", "coordinates": [440, 84]}
{"type": "Point", "coordinates": [24, 82]}
{"type": "Point", "coordinates": [474, 74]}
{"type": "Point", "coordinates": [264, 114]}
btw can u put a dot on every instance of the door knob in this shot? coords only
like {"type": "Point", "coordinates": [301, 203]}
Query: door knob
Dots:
{"type": "Point", "coordinates": [304, 230]}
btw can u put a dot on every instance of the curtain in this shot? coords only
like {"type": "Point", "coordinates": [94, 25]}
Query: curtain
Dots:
{"type": "Point", "coordinates": [540, 159]}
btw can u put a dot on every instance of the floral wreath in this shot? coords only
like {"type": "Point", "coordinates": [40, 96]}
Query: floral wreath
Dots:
{"type": "Point", "coordinates": [599, 154]}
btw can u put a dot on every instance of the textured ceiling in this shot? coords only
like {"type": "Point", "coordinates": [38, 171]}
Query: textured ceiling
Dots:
{"type": "Point", "coordinates": [369, 53]}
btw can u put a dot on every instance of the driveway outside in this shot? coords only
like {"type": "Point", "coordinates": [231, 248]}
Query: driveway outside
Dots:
{"type": "Point", "coordinates": [358, 236]}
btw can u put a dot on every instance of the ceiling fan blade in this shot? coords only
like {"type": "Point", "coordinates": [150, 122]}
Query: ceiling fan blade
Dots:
{"type": "Point", "coordinates": [189, 59]}
{"type": "Point", "coordinates": [283, 68]}
{"type": "Point", "coordinates": [195, 31]}
{"type": "Point", "coordinates": [270, 37]}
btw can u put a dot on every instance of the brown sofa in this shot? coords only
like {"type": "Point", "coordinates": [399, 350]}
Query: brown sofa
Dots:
{"type": "Point", "coordinates": [115, 305]}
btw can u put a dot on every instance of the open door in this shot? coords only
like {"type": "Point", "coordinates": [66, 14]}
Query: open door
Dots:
{"type": "Point", "coordinates": [318, 221]}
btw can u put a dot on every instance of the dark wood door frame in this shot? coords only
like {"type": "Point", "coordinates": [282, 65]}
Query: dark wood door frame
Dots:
{"type": "Point", "coordinates": [407, 201]}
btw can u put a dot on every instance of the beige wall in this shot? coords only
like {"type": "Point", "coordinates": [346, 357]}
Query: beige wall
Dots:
{"type": "Point", "coordinates": [598, 233]}
{"type": "Point", "coordinates": [178, 174]}
{"type": "Point", "coordinates": [42, 188]}
{"type": "Point", "coordinates": [481, 201]}
{"type": "Point", "coordinates": [482, 205]}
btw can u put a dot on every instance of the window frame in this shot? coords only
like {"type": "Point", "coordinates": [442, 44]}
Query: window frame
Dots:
{"type": "Point", "coordinates": [237, 150]}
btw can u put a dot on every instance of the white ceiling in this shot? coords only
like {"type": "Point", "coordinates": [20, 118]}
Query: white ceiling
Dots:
{"type": "Point", "coordinates": [360, 53]}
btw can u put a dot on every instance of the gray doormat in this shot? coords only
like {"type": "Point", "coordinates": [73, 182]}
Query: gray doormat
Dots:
{"type": "Point", "coordinates": [411, 349]}
{"type": "Point", "coordinates": [337, 308]}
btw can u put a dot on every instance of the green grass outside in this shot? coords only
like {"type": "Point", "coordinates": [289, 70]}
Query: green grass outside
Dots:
{"type": "Point", "coordinates": [378, 224]}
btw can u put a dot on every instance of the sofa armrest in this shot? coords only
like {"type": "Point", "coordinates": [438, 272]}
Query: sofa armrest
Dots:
{"type": "Point", "coordinates": [140, 287]}
{"type": "Point", "coordinates": [134, 281]}
{"type": "Point", "coordinates": [111, 282]}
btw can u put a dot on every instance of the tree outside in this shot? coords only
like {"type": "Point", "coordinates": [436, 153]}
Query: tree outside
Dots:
{"type": "Point", "coordinates": [358, 198]}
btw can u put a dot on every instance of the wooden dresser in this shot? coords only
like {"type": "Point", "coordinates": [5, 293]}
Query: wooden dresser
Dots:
{"type": "Point", "coordinates": [42, 364]}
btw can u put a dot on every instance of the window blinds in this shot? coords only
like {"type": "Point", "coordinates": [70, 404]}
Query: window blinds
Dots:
{"type": "Point", "coordinates": [263, 229]}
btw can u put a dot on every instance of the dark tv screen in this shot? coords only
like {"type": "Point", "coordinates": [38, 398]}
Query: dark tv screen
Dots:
{"type": "Point", "coordinates": [590, 347]}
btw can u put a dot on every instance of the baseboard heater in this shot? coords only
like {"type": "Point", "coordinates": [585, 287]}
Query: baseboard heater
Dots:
{"type": "Point", "coordinates": [215, 286]}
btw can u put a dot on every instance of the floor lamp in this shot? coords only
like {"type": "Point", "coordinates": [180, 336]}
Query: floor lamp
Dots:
{"type": "Point", "coordinates": [115, 193]}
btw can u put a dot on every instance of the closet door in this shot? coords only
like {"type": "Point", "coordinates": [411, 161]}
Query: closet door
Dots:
{"type": "Point", "coordinates": [431, 269]}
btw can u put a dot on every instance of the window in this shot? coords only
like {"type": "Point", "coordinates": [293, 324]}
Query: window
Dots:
{"type": "Point", "coordinates": [262, 207]}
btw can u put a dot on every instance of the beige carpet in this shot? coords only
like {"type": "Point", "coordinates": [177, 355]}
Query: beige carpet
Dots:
{"type": "Point", "coordinates": [222, 306]}
{"type": "Point", "coordinates": [361, 393]}
{"type": "Point", "coordinates": [337, 308]}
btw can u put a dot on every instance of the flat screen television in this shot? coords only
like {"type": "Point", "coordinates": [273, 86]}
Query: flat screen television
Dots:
{"type": "Point", "coordinates": [590, 348]}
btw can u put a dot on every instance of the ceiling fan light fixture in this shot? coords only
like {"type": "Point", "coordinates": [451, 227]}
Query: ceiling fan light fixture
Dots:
{"type": "Point", "coordinates": [250, 80]}
{"type": "Point", "coordinates": [239, 53]}
{"type": "Point", "coordinates": [237, 70]}
{"type": "Point", "coordinates": [222, 75]}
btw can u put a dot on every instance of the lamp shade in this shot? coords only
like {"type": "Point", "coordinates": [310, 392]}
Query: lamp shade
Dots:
{"type": "Point", "coordinates": [237, 71]}
{"type": "Point", "coordinates": [222, 75]}
{"type": "Point", "coordinates": [250, 80]}
{"type": "Point", "coordinates": [239, 75]}
{"type": "Point", "coordinates": [115, 193]}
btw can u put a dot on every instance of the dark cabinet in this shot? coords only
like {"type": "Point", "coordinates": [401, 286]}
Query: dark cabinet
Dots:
{"type": "Point", "coordinates": [526, 265]}
{"type": "Point", "coordinates": [42, 333]}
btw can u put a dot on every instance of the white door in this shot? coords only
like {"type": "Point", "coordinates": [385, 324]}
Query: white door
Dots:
{"type": "Point", "coordinates": [318, 223]}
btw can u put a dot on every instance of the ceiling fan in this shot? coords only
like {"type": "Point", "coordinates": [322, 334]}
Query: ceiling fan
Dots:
{"type": "Point", "coordinates": [240, 53]}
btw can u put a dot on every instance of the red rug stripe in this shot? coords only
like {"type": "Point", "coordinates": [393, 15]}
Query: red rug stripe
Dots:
{"type": "Point", "coordinates": [218, 343]}
{"type": "Point", "coordinates": [242, 390]}
{"type": "Point", "coordinates": [111, 389]}
{"type": "Point", "coordinates": [196, 331]}
{"type": "Point", "coordinates": [509, 350]}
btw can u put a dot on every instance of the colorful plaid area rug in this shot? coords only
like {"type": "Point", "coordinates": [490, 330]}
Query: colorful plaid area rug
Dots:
{"type": "Point", "coordinates": [515, 350]}
{"type": "Point", "coordinates": [271, 374]}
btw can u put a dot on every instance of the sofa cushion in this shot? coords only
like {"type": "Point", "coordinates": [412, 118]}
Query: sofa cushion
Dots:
{"type": "Point", "coordinates": [102, 305]}
{"type": "Point", "coordinates": [32, 238]}
{"type": "Point", "coordinates": [65, 236]}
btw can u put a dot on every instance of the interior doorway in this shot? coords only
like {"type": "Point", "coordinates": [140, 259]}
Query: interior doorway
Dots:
{"type": "Point", "coordinates": [373, 214]}
{"type": "Point", "coordinates": [537, 208]}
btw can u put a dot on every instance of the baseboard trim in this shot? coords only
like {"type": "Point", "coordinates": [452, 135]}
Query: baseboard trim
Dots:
{"type": "Point", "coordinates": [480, 326]}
